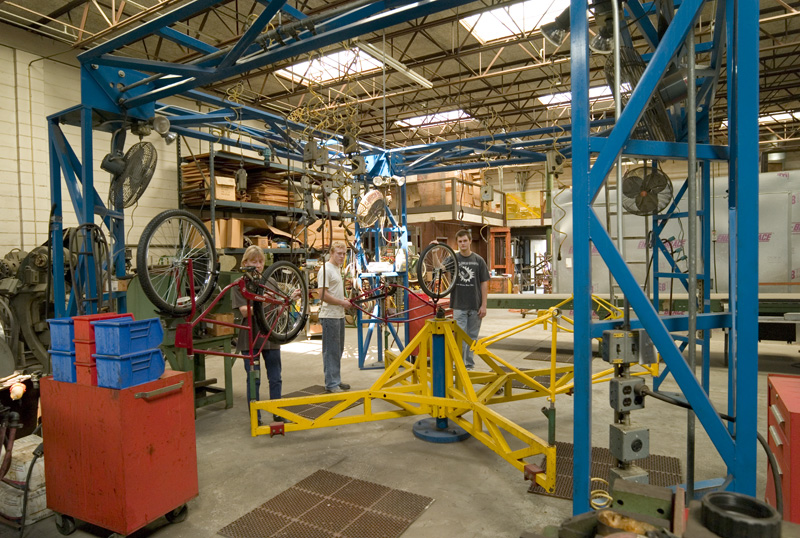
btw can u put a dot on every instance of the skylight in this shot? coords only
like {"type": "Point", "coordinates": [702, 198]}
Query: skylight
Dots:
{"type": "Point", "coordinates": [782, 117]}
{"type": "Point", "coordinates": [778, 118]}
{"type": "Point", "coordinates": [440, 118]}
{"type": "Point", "coordinates": [596, 94]}
{"type": "Point", "coordinates": [515, 20]}
{"type": "Point", "coordinates": [331, 67]}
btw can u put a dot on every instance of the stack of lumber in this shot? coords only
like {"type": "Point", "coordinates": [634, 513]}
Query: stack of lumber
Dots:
{"type": "Point", "coordinates": [196, 180]}
{"type": "Point", "coordinates": [264, 187]}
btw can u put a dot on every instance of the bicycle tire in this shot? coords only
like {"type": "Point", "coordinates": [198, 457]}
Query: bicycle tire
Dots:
{"type": "Point", "coordinates": [282, 322]}
{"type": "Point", "coordinates": [172, 238]}
{"type": "Point", "coordinates": [437, 270]}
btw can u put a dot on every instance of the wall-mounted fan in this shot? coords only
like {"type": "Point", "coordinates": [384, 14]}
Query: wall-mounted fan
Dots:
{"type": "Point", "coordinates": [646, 191]}
{"type": "Point", "coordinates": [131, 172]}
{"type": "Point", "coordinates": [370, 208]}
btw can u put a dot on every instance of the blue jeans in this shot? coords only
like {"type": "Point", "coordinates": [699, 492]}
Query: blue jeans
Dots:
{"type": "Point", "coordinates": [332, 350]}
{"type": "Point", "coordinates": [470, 323]}
{"type": "Point", "coordinates": [272, 361]}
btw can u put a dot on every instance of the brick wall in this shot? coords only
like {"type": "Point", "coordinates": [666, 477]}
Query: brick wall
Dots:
{"type": "Point", "coordinates": [31, 89]}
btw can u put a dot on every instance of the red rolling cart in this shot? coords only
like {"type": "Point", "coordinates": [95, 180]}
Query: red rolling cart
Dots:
{"type": "Point", "coordinates": [784, 439]}
{"type": "Point", "coordinates": [119, 459]}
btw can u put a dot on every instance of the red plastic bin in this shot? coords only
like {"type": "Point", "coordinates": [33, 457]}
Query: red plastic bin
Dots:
{"type": "Point", "coordinates": [86, 373]}
{"type": "Point", "coordinates": [84, 331]}
{"type": "Point", "coordinates": [85, 350]}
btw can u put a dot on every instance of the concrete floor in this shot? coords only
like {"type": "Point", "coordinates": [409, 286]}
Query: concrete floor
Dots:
{"type": "Point", "coordinates": [476, 493]}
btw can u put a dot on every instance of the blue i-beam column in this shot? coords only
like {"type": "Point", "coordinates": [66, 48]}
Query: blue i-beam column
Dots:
{"type": "Point", "coordinates": [743, 85]}
{"type": "Point", "coordinates": [582, 427]}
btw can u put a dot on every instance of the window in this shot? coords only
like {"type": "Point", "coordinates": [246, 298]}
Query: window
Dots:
{"type": "Point", "coordinates": [596, 94]}
{"type": "Point", "coordinates": [512, 21]}
{"type": "Point", "coordinates": [440, 118]}
{"type": "Point", "coordinates": [331, 67]}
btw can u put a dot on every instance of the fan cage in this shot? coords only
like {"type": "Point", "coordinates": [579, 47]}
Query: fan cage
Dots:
{"type": "Point", "coordinates": [140, 165]}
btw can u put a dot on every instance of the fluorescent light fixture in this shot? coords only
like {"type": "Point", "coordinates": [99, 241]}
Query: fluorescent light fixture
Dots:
{"type": "Point", "coordinates": [398, 66]}
{"type": "Point", "coordinates": [331, 67]}
{"type": "Point", "coordinates": [596, 94]}
{"type": "Point", "coordinates": [514, 20]}
{"type": "Point", "coordinates": [440, 118]}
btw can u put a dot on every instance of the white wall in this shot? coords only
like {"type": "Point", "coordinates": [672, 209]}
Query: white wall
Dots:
{"type": "Point", "coordinates": [32, 87]}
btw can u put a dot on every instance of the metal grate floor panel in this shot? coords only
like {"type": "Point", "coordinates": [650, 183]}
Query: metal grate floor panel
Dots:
{"type": "Point", "coordinates": [312, 411]}
{"type": "Point", "coordinates": [330, 505]}
{"type": "Point", "coordinates": [663, 470]}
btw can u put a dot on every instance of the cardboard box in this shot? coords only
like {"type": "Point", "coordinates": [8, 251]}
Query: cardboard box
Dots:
{"type": "Point", "coordinates": [221, 330]}
{"type": "Point", "coordinates": [260, 240]}
{"type": "Point", "coordinates": [234, 234]}
{"type": "Point", "coordinates": [219, 225]}
{"type": "Point", "coordinates": [224, 188]}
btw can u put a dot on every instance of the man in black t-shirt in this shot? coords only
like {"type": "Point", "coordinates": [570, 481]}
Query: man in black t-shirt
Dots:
{"type": "Point", "coordinates": [468, 298]}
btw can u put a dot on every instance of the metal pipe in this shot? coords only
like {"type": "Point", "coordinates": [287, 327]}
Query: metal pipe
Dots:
{"type": "Point", "coordinates": [607, 194]}
{"type": "Point", "coordinates": [617, 114]}
{"type": "Point", "coordinates": [691, 116]}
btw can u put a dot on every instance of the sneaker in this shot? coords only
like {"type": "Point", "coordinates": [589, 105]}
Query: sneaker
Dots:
{"type": "Point", "coordinates": [344, 386]}
{"type": "Point", "coordinates": [470, 368]}
{"type": "Point", "coordinates": [334, 389]}
{"type": "Point", "coordinates": [276, 418]}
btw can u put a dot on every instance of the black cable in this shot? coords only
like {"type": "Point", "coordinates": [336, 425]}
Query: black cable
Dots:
{"type": "Point", "coordinates": [37, 452]}
{"type": "Point", "coordinates": [50, 276]}
{"type": "Point", "coordinates": [644, 390]}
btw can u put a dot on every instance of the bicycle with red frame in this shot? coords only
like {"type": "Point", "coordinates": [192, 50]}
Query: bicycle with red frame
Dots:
{"type": "Point", "coordinates": [437, 271]}
{"type": "Point", "coordinates": [178, 270]}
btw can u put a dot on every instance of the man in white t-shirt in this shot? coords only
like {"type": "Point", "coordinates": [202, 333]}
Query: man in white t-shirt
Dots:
{"type": "Point", "coordinates": [331, 316]}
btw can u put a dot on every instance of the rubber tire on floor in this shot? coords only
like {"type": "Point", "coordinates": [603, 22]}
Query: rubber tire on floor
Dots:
{"type": "Point", "coordinates": [421, 268]}
{"type": "Point", "coordinates": [259, 310]}
{"type": "Point", "coordinates": [142, 262]}
{"type": "Point", "coordinates": [66, 526]}
{"type": "Point", "coordinates": [735, 515]}
{"type": "Point", "coordinates": [177, 515]}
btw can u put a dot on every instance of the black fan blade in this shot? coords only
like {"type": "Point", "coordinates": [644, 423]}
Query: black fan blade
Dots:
{"type": "Point", "coordinates": [631, 185]}
{"type": "Point", "coordinates": [664, 198]}
{"type": "Point", "coordinates": [647, 203]}
{"type": "Point", "coordinates": [654, 182]}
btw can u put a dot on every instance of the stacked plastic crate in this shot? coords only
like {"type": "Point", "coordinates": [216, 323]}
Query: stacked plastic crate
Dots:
{"type": "Point", "coordinates": [85, 347]}
{"type": "Point", "coordinates": [62, 349]}
{"type": "Point", "coordinates": [127, 352]}
{"type": "Point", "coordinates": [106, 350]}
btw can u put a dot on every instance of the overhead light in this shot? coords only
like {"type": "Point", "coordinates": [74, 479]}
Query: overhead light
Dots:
{"type": "Point", "coordinates": [169, 138]}
{"type": "Point", "coordinates": [378, 181]}
{"type": "Point", "coordinates": [556, 32]}
{"type": "Point", "coordinates": [400, 180]}
{"type": "Point", "coordinates": [394, 64]}
{"type": "Point", "coordinates": [161, 125]}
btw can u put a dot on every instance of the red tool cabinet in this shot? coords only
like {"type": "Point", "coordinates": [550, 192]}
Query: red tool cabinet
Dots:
{"type": "Point", "coordinates": [119, 459]}
{"type": "Point", "coordinates": [784, 441]}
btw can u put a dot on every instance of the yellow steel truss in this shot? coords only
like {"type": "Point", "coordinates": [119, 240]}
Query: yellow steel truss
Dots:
{"type": "Point", "coordinates": [405, 388]}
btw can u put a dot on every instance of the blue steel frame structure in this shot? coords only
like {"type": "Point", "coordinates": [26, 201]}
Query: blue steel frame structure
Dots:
{"type": "Point", "coordinates": [116, 89]}
{"type": "Point", "coordinates": [369, 326]}
{"type": "Point", "coordinates": [736, 33]}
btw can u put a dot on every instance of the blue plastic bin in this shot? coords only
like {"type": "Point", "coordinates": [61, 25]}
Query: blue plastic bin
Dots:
{"type": "Point", "coordinates": [62, 334]}
{"type": "Point", "coordinates": [63, 365]}
{"type": "Point", "coordinates": [123, 371]}
{"type": "Point", "coordinates": [123, 336]}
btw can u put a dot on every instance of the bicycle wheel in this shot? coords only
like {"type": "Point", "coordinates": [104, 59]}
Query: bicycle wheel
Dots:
{"type": "Point", "coordinates": [168, 242]}
{"type": "Point", "coordinates": [282, 321]}
{"type": "Point", "coordinates": [437, 270]}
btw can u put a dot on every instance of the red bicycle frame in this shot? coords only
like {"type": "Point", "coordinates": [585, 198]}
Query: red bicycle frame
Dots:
{"type": "Point", "coordinates": [184, 338]}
